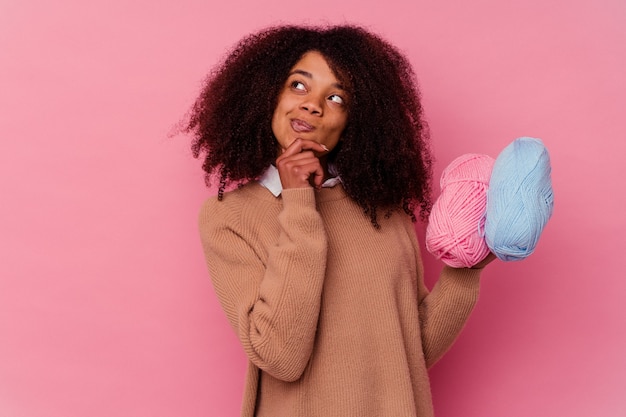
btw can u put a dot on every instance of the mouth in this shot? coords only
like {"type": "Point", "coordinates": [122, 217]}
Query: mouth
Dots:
{"type": "Point", "coordinates": [300, 126]}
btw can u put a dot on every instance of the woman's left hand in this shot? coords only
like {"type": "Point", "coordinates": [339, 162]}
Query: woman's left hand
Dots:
{"type": "Point", "coordinates": [486, 261]}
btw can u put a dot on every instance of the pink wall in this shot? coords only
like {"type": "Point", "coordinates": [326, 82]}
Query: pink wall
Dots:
{"type": "Point", "coordinates": [105, 304]}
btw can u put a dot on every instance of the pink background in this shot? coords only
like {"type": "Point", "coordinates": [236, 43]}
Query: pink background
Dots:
{"type": "Point", "coordinates": [106, 308]}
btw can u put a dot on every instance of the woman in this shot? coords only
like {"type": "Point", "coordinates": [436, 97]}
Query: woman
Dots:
{"type": "Point", "coordinates": [314, 256]}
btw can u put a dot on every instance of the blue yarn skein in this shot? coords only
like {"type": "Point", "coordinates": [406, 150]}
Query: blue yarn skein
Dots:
{"type": "Point", "coordinates": [520, 199]}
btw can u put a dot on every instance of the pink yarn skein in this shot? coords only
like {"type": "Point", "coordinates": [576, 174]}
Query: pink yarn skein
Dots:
{"type": "Point", "coordinates": [455, 231]}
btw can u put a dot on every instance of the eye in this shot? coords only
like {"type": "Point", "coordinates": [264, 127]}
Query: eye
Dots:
{"type": "Point", "coordinates": [336, 99]}
{"type": "Point", "coordinates": [298, 85]}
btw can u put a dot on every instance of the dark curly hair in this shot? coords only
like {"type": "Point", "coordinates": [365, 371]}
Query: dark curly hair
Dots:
{"type": "Point", "coordinates": [384, 157]}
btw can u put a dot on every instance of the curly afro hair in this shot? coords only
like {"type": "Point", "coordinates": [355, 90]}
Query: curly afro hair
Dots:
{"type": "Point", "coordinates": [384, 157]}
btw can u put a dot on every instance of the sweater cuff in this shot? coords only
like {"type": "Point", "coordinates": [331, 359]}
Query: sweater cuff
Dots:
{"type": "Point", "coordinates": [465, 277]}
{"type": "Point", "coordinates": [298, 197]}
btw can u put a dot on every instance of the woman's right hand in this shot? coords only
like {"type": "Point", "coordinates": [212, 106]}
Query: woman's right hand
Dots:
{"type": "Point", "coordinates": [299, 165]}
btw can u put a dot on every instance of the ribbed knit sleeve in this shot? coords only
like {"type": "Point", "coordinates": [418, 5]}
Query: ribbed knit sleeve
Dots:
{"type": "Point", "coordinates": [444, 311]}
{"type": "Point", "coordinates": [271, 296]}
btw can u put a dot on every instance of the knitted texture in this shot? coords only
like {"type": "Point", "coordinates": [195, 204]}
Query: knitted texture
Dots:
{"type": "Point", "coordinates": [520, 199]}
{"type": "Point", "coordinates": [332, 313]}
{"type": "Point", "coordinates": [455, 232]}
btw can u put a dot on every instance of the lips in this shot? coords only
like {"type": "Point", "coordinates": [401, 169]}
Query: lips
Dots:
{"type": "Point", "coordinates": [301, 126]}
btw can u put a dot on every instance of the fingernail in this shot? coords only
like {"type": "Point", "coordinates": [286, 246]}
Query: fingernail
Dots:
{"type": "Point", "coordinates": [325, 148]}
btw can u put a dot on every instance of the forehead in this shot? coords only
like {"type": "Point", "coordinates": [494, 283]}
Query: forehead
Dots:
{"type": "Point", "coordinates": [314, 65]}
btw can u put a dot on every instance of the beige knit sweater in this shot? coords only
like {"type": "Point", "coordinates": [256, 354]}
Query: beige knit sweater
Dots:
{"type": "Point", "coordinates": [332, 313]}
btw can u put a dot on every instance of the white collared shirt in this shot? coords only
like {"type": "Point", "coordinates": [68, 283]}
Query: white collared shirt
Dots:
{"type": "Point", "coordinates": [270, 179]}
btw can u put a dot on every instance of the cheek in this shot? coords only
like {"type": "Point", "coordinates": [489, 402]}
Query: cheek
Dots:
{"type": "Point", "coordinates": [340, 124]}
{"type": "Point", "coordinates": [280, 127]}
{"type": "Point", "coordinates": [276, 119]}
{"type": "Point", "coordinates": [281, 109]}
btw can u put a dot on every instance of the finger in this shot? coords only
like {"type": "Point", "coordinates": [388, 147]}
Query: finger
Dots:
{"type": "Point", "coordinates": [318, 177]}
{"type": "Point", "coordinates": [292, 159]}
{"type": "Point", "coordinates": [297, 163]}
{"type": "Point", "coordinates": [296, 172]}
{"type": "Point", "coordinates": [300, 145]}
{"type": "Point", "coordinates": [300, 155]}
{"type": "Point", "coordinates": [486, 261]}
{"type": "Point", "coordinates": [313, 174]}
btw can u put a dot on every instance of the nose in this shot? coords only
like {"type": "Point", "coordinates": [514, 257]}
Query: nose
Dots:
{"type": "Point", "coordinates": [312, 104]}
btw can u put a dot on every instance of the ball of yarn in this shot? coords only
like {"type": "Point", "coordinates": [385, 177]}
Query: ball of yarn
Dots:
{"type": "Point", "coordinates": [455, 226]}
{"type": "Point", "coordinates": [520, 199]}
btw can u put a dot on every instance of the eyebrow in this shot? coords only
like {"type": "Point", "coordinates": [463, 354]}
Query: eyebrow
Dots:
{"type": "Point", "coordinates": [310, 76]}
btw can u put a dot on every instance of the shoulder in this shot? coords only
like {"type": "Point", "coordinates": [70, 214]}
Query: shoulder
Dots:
{"type": "Point", "coordinates": [235, 207]}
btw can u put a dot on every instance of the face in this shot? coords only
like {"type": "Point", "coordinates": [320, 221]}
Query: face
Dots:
{"type": "Point", "coordinates": [311, 105]}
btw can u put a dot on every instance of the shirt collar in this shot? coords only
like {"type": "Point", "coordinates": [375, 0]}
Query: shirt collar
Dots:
{"type": "Point", "coordinates": [270, 179]}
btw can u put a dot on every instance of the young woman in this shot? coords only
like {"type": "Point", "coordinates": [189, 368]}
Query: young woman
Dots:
{"type": "Point", "coordinates": [313, 255]}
